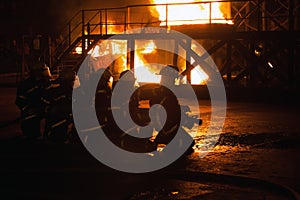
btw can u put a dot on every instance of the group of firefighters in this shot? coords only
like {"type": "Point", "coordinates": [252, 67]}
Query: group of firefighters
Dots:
{"type": "Point", "coordinates": [42, 99]}
{"type": "Point", "coordinates": [46, 104]}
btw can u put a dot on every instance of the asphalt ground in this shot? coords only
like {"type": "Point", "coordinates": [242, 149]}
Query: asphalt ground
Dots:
{"type": "Point", "coordinates": [256, 157]}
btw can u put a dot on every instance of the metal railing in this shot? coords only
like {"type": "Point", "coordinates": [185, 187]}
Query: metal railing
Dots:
{"type": "Point", "coordinates": [246, 16]}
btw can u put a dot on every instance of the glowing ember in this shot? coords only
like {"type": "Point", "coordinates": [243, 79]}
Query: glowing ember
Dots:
{"type": "Point", "coordinates": [200, 13]}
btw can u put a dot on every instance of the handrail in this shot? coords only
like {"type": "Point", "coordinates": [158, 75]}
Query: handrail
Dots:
{"type": "Point", "coordinates": [69, 38]}
{"type": "Point", "coordinates": [162, 4]}
{"type": "Point", "coordinates": [76, 25]}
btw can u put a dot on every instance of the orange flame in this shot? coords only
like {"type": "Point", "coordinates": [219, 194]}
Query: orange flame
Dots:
{"type": "Point", "coordinates": [198, 13]}
{"type": "Point", "coordinates": [198, 76]}
{"type": "Point", "coordinates": [143, 72]}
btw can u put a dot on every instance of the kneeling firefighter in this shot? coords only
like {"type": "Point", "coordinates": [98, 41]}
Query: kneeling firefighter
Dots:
{"type": "Point", "coordinates": [58, 99]}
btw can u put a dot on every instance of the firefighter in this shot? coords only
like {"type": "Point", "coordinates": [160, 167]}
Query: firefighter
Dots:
{"type": "Point", "coordinates": [98, 101]}
{"type": "Point", "coordinates": [164, 96]}
{"type": "Point", "coordinates": [103, 97]}
{"type": "Point", "coordinates": [29, 99]}
{"type": "Point", "coordinates": [59, 124]}
{"type": "Point", "coordinates": [103, 94]}
{"type": "Point", "coordinates": [127, 85]}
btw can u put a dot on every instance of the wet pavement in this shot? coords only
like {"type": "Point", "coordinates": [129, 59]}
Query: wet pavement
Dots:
{"type": "Point", "coordinates": [256, 157]}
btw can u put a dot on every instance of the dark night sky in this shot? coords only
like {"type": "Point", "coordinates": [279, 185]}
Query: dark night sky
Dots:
{"type": "Point", "coordinates": [47, 17]}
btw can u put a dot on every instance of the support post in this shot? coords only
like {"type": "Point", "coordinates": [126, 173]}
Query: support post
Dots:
{"type": "Point", "coordinates": [106, 22]}
{"type": "Point", "coordinates": [263, 16]}
{"type": "Point", "coordinates": [228, 60]}
{"type": "Point", "coordinates": [167, 13]}
{"type": "Point", "coordinates": [125, 22]}
{"type": "Point", "coordinates": [210, 10]}
{"type": "Point", "coordinates": [88, 34]}
{"type": "Point", "coordinates": [128, 17]}
{"type": "Point", "coordinates": [188, 60]}
{"type": "Point", "coordinates": [83, 34]}
{"type": "Point", "coordinates": [131, 52]}
{"type": "Point", "coordinates": [101, 23]}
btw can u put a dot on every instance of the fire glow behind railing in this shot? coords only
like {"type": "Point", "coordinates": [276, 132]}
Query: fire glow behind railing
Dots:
{"type": "Point", "coordinates": [169, 13]}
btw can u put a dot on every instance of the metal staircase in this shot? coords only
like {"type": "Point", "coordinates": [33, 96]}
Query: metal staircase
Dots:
{"type": "Point", "coordinates": [85, 29]}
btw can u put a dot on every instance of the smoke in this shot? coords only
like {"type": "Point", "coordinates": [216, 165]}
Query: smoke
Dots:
{"type": "Point", "coordinates": [61, 11]}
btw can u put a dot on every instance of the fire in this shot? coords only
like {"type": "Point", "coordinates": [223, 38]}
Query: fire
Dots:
{"type": "Point", "coordinates": [78, 50]}
{"type": "Point", "coordinates": [143, 71]}
{"type": "Point", "coordinates": [169, 12]}
{"type": "Point", "coordinates": [198, 13]}
{"type": "Point", "coordinates": [110, 28]}
{"type": "Point", "coordinates": [149, 47]}
{"type": "Point", "coordinates": [198, 76]}
{"type": "Point", "coordinates": [118, 50]}
{"type": "Point", "coordinates": [109, 50]}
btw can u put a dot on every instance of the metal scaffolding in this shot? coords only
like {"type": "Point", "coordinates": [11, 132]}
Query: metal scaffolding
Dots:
{"type": "Point", "coordinates": [260, 48]}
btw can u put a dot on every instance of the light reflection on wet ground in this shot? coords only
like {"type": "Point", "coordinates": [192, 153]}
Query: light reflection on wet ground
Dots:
{"type": "Point", "coordinates": [258, 140]}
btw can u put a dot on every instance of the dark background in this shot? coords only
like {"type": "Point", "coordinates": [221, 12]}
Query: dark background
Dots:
{"type": "Point", "coordinates": [28, 19]}
{"type": "Point", "coordinates": [47, 17]}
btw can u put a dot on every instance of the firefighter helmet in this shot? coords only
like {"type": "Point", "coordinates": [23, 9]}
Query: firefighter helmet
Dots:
{"type": "Point", "coordinates": [45, 72]}
{"type": "Point", "coordinates": [39, 70]}
{"type": "Point", "coordinates": [169, 70]}
{"type": "Point", "coordinates": [106, 74]}
{"type": "Point", "coordinates": [127, 75]}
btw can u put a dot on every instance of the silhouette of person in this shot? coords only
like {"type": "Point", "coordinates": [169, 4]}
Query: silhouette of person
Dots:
{"type": "Point", "coordinates": [164, 96]}
{"type": "Point", "coordinates": [121, 137]}
{"type": "Point", "coordinates": [103, 95]}
{"type": "Point", "coordinates": [58, 99]}
{"type": "Point", "coordinates": [29, 99]}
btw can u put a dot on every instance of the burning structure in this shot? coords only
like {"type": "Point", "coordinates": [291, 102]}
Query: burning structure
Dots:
{"type": "Point", "coordinates": [245, 39]}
